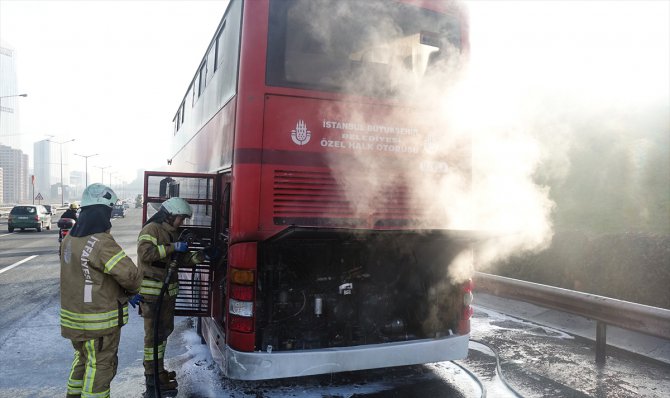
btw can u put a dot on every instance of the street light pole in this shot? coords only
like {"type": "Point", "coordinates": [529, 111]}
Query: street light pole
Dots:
{"type": "Point", "coordinates": [86, 163]}
{"type": "Point", "coordinates": [102, 173]}
{"type": "Point", "coordinates": [62, 189]}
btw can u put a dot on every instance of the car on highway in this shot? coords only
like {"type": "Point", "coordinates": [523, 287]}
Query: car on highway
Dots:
{"type": "Point", "coordinates": [118, 211]}
{"type": "Point", "coordinates": [29, 216]}
{"type": "Point", "coordinates": [50, 209]}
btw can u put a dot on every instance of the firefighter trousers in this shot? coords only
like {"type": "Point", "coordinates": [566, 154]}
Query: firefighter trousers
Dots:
{"type": "Point", "coordinates": [94, 366]}
{"type": "Point", "coordinates": [165, 328]}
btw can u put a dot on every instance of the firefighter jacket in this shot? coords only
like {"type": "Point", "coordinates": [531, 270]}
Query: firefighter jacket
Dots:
{"type": "Point", "coordinates": [97, 278]}
{"type": "Point", "coordinates": [154, 253]}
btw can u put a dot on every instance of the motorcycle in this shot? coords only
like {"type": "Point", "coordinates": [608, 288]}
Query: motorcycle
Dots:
{"type": "Point", "coordinates": [64, 227]}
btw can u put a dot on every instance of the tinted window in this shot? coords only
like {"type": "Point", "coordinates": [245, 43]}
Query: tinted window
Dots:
{"type": "Point", "coordinates": [211, 62]}
{"type": "Point", "coordinates": [353, 46]}
{"type": "Point", "coordinates": [23, 210]}
{"type": "Point", "coordinates": [220, 45]}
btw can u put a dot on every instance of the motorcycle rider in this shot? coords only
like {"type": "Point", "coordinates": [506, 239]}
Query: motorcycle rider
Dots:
{"type": "Point", "coordinates": [97, 281]}
{"type": "Point", "coordinates": [71, 212]}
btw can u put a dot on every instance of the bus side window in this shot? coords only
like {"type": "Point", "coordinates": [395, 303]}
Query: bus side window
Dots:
{"type": "Point", "coordinates": [219, 45]}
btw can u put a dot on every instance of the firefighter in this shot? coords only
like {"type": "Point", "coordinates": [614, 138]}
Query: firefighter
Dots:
{"type": "Point", "coordinates": [97, 280]}
{"type": "Point", "coordinates": [156, 245]}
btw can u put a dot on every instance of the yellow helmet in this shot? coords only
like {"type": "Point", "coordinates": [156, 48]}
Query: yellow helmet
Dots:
{"type": "Point", "coordinates": [74, 206]}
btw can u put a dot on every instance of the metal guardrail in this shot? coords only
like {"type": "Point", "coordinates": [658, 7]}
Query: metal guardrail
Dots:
{"type": "Point", "coordinates": [606, 311]}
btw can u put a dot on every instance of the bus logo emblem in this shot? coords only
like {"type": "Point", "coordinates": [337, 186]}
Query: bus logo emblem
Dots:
{"type": "Point", "coordinates": [301, 135]}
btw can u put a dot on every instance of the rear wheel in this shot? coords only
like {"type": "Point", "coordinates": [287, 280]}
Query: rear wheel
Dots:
{"type": "Point", "coordinates": [39, 227]}
{"type": "Point", "coordinates": [49, 226]}
{"type": "Point", "coordinates": [10, 229]}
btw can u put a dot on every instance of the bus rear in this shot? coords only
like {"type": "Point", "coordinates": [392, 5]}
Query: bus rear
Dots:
{"type": "Point", "coordinates": [342, 251]}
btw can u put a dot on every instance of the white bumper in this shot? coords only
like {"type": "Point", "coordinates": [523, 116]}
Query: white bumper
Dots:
{"type": "Point", "coordinates": [262, 365]}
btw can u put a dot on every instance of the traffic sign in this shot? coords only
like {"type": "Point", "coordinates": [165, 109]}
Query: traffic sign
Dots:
{"type": "Point", "coordinates": [39, 196]}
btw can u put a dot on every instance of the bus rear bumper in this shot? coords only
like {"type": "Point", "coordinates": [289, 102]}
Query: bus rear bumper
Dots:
{"type": "Point", "coordinates": [263, 365]}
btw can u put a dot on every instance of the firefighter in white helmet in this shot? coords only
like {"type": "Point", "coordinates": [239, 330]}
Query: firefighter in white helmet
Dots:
{"type": "Point", "coordinates": [98, 280]}
{"type": "Point", "coordinates": [156, 244]}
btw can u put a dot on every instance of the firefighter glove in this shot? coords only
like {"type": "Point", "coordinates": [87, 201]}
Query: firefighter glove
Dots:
{"type": "Point", "coordinates": [180, 247]}
{"type": "Point", "coordinates": [136, 300]}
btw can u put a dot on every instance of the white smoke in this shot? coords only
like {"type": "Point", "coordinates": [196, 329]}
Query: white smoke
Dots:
{"type": "Point", "coordinates": [479, 133]}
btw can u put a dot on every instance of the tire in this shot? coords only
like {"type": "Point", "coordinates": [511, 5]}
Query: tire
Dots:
{"type": "Point", "coordinates": [39, 228]}
{"type": "Point", "coordinates": [10, 229]}
{"type": "Point", "coordinates": [49, 227]}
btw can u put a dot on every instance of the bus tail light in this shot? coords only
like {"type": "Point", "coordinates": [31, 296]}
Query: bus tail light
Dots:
{"type": "Point", "coordinates": [241, 324]}
{"type": "Point", "coordinates": [242, 258]}
{"type": "Point", "coordinates": [467, 311]}
{"type": "Point", "coordinates": [242, 276]}
{"type": "Point", "coordinates": [241, 308]}
{"type": "Point", "coordinates": [244, 293]}
{"type": "Point", "coordinates": [241, 301]}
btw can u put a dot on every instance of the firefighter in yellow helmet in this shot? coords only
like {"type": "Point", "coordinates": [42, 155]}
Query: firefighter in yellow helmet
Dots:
{"type": "Point", "coordinates": [98, 280]}
{"type": "Point", "coordinates": [156, 244]}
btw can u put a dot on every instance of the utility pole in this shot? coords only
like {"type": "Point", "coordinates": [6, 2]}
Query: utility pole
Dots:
{"type": "Point", "coordinates": [86, 158]}
{"type": "Point", "coordinates": [62, 188]}
{"type": "Point", "coordinates": [102, 173]}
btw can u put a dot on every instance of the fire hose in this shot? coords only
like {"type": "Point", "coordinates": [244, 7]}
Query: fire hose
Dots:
{"type": "Point", "coordinates": [172, 267]}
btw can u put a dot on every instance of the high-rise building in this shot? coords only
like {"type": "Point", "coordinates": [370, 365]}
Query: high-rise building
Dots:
{"type": "Point", "coordinates": [9, 105]}
{"type": "Point", "coordinates": [77, 181]}
{"type": "Point", "coordinates": [1, 184]}
{"type": "Point", "coordinates": [47, 163]}
{"type": "Point", "coordinates": [14, 164]}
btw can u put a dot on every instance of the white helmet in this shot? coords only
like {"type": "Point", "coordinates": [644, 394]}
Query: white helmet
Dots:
{"type": "Point", "coordinates": [98, 194]}
{"type": "Point", "coordinates": [178, 207]}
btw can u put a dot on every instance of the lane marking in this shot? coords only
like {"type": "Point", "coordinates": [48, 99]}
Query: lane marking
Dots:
{"type": "Point", "coordinates": [18, 263]}
{"type": "Point", "coordinates": [11, 233]}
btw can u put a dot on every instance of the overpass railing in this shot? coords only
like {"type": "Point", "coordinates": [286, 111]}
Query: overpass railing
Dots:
{"type": "Point", "coordinates": [604, 310]}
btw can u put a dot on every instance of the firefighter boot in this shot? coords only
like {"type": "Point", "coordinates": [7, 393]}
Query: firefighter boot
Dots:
{"type": "Point", "coordinates": [169, 374]}
{"type": "Point", "coordinates": [168, 387]}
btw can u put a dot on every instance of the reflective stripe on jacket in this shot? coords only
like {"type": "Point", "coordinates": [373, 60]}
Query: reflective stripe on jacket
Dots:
{"type": "Point", "coordinates": [97, 277]}
{"type": "Point", "coordinates": [154, 249]}
{"type": "Point", "coordinates": [154, 252]}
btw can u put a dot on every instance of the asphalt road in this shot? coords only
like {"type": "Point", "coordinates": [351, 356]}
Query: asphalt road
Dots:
{"type": "Point", "coordinates": [537, 361]}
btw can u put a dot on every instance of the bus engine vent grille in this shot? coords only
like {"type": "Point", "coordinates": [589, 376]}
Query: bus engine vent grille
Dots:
{"type": "Point", "coordinates": [309, 196]}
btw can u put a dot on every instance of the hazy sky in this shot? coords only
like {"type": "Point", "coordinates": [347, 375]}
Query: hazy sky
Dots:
{"type": "Point", "coordinates": [111, 73]}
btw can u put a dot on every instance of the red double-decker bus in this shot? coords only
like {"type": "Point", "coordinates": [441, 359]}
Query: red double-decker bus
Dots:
{"type": "Point", "coordinates": [306, 148]}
